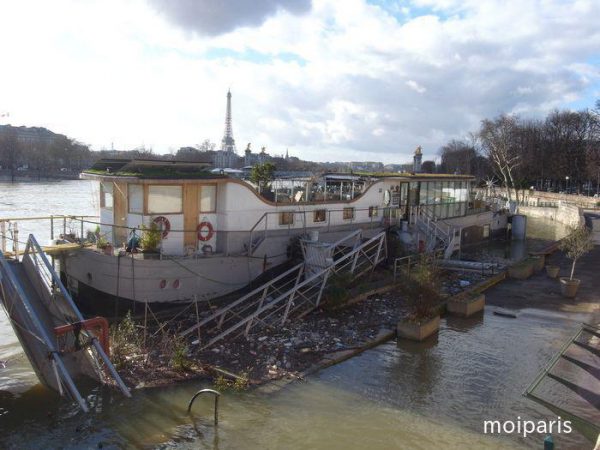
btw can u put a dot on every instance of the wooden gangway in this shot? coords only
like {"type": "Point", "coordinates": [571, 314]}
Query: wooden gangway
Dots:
{"type": "Point", "coordinates": [38, 306]}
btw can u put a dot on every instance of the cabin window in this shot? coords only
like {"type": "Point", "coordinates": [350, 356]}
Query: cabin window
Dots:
{"type": "Point", "coordinates": [373, 211]}
{"type": "Point", "coordinates": [208, 198]}
{"type": "Point", "coordinates": [135, 198]}
{"type": "Point", "coordinates": [106, 195]}
{"type": "Point", "coordinates": [286, 218]}
{"type": "Point", "coordinates": [165, 199]}
{"type": "Point", "coordinates": [348, 213]}
{"type": "Point", "coordinates": [320, 215]}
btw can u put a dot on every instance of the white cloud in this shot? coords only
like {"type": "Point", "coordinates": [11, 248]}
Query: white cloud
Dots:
{"type": "Point", "coordinates": [343, 80]}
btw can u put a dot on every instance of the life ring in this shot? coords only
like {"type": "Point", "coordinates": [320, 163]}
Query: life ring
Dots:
{"type": "Point", "coordinates": [205, 231]}
{"type": "Point", "coordinates": [164, 224]}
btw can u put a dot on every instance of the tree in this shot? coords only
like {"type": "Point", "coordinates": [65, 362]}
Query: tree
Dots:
{"type": "Point", "coordinates": [577, 244]}
{"type": "Point", "coordinates": [206, 146]}
{"type": "Point", "coordinates": [428, 167]}
{"type": "Point", "coordinates": [498, 139]}
{"type": "Point", "coordinates": [10, 150]}
{"type": "Point", "coordinates": [262, 175]}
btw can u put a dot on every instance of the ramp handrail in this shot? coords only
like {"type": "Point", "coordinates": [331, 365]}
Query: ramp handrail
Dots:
{"type": "Point", "coordinates": [290, 294]}
{"type": "Point", "coordinates": [41, 334]}
{"type": "Point", "coordinates": [33, 248]}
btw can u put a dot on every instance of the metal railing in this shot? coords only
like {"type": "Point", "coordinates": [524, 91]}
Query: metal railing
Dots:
{"type": "Point", "coordinates": [64, 302]}
{"type": "Point", "coordinates": [296, 291]}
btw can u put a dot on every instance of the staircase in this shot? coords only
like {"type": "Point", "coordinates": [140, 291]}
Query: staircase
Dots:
{"type": "Point", "coordinates": [439, 236]}
{"type": "Point", "coordinates": [55, 337]}
{"type": "Point", "coordinates": [292, 294]}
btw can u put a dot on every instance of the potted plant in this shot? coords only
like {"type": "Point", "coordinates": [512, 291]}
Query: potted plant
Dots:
{"type": "Point", "coordinates": [104, 245]}
{"type": "Point", "coordinates": [423, 296]}
{"type": "Point", "coordinates": [552, 270]}
{"type": "Point", "coordinates": [150, 238]}
{"type": "Point", "coordinates": [575, 245]}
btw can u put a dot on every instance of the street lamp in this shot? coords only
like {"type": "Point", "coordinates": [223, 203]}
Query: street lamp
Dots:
{"type": "Point", "coordinates": [567, 184]}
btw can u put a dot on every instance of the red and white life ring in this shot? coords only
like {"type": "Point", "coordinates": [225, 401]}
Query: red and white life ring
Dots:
{"type": "Point", "coordinates": [205, 231]}
{"type": "Point", "coordinates": [164, 224]}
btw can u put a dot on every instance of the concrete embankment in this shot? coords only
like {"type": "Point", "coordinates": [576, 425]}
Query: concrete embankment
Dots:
{"type": "Point", "coordinates": [565, 213]}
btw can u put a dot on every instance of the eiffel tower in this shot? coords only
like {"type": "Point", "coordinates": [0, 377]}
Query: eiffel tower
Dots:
{"type": "Point", "coordinates": [228, 143]}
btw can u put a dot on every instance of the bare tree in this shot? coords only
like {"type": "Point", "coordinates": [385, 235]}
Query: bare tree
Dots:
{"type": "Point", "coordinates": [10, 149]}
{"type": "Point", "coordinates": [498, 139]}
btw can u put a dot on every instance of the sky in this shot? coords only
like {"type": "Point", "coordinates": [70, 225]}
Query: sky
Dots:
{"type": "Point", "coordinates": [329, 80]}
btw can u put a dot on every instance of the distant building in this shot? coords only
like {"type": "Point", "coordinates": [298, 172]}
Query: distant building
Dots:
{"type": "Point", "coordinates": [32, 135]}
{"type": "Point", "coordinates": [252, 159]}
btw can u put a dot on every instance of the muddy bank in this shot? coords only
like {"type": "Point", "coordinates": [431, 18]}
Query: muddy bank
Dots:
{"type": "Point", "coordinates": [292, 350]}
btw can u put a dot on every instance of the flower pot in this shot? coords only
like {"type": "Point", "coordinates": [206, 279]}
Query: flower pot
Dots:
{"type": "Point", "coordinates": [552, 271]}
{"type": "Point", "coordinates": [521, 271]}
{"type": "Point", "coordinates": [466, 306]}
{"type": "Point", "coordinates": [538, 263]}
{"type": "Point", "coordinates": [568, 288]}
{"type": "Point", "coordinates": [418, 331]}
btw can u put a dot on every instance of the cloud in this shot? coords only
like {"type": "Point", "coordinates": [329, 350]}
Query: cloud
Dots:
{"type": "Point", "coordinates": [214, 17]}
{"type": "Point", "coordinates": [339, 81]}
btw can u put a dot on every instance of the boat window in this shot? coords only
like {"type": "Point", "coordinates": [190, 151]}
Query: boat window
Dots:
{"type": "Point", "coordinates": [320, 215]}
{"type": "Point", "coordinates": [373, 211]}
{"type": "Point", "coordinates": [208, 198]}
{"type": "Point", "coordinates": [348, 213]}
{"type": "Point", "coordinates": [135, 197]}
{"type": "Point", "coordinates": [106, 195]}
{"type": "Point", "coordinates": [286, 218]}
{"type": "Point", "coordinates": [165, 199]}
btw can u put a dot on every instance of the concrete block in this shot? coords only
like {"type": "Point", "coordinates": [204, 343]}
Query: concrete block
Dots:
{"type": "Point", "coordinates": [468, 306]}
{"type": "Point", "coordinates": [418, 331]}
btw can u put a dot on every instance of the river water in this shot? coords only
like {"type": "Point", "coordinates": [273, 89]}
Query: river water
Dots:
{"type": "Point", "coordinates": [399, 395]}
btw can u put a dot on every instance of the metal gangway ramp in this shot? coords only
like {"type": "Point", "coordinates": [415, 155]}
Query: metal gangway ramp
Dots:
{"type": "Point", "coordinates": [293, 293]}
{"type": "Point", "coordinates": [37, 305]}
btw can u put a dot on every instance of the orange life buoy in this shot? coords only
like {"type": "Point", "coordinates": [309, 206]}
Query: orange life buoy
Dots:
{"type": "Point", "coordinates": [164, 224]}
{"type": "Point", "coordinates": [205, 231]}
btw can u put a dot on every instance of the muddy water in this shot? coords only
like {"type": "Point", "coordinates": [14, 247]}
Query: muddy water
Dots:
{"type": "Point", "coordinates": [408, 395]}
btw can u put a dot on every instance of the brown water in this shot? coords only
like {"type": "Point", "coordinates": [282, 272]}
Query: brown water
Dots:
{"type": "Point", "coordinates": [405, 396]}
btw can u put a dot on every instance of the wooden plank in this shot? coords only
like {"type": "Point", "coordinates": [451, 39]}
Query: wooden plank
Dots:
{"type": "Point", "coordinates": [190, 213]}
{"type": "Point", "coordinates": [120, 212]}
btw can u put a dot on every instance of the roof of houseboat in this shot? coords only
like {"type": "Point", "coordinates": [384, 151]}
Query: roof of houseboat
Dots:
{"type": "Point", "coordinates": [150, 169]}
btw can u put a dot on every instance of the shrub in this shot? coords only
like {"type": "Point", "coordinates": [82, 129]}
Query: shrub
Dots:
{"type": "Point", "coordinates": [422, 291]}
{"type": "Point", "coordinates": [150, 238]}
{"type": "Point", "coordinates": [125, 340]}
{"type": "Point", "coordinates": [336, 292]}
{"type": "Point", "coordinates": [576, 244]}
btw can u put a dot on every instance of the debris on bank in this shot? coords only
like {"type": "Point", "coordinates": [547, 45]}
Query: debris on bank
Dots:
{"type": "Point", "coordinates": [289, 351]}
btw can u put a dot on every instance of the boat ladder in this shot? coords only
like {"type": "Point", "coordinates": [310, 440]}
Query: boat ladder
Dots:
{"type": "Point", "coordinates": [43, 315]}
{"type": "Point", "coordinates": [293, 293]}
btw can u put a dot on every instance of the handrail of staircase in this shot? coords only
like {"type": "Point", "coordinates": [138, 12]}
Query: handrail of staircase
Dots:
{"type": "Point", "coordinates": [52, 350]}
{"type": "Point", "coordinates": [230, 306]}
{"type": "Point", "coordinates": [291, 291]}
{"type": "Point", "coordinates": [33, 244]}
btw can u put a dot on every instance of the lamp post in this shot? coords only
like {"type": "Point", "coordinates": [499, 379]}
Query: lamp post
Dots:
{"type": "Point", "coordinates": [567, 184]}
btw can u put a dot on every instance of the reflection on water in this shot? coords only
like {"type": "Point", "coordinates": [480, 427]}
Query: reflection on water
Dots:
{"type": "Point", "coordinates": [400, 395]}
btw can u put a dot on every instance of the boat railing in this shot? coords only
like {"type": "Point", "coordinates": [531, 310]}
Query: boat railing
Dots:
{"type": "Point", "coordinates": [328, 218]}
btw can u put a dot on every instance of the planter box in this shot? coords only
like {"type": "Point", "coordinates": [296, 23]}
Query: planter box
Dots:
{"type": "Point", "coordinates": [466, 307]}
{"type": "Point", "coordinates": [521, 271]}
{"type": "Point", "coordinates": [568, 287]}
{"type": "Point", "coordinates": [418, 331]}
{"type": "Point", "coordinates": [552, 271]}
{"type": "Point", "coordinates": [538, 263]}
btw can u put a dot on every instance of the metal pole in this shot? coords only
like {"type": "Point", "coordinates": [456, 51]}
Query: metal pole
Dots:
{"type": "Point", "coordinates": [51, 227]}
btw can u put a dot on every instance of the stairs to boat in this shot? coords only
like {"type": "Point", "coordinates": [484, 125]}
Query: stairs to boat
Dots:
{"type": "Point", "coordinates": [58, 341]}
{"type": "Point", "coordinates": [293, 293]}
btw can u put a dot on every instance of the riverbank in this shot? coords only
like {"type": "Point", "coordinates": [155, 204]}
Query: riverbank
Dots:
{"type": "Point", "coordinates": [367, 317]}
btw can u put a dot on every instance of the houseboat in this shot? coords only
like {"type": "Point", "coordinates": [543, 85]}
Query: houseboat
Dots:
{"type": "Point", "coordinates": [218, 233]}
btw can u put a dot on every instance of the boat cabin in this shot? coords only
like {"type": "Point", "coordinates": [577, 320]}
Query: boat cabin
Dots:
{"type": "Point", "coordinates": [202, 213]}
